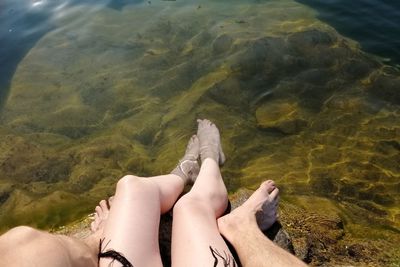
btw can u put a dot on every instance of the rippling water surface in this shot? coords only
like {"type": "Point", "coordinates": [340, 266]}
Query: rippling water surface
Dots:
{"type": "Point", "coordinates": [93, 90]}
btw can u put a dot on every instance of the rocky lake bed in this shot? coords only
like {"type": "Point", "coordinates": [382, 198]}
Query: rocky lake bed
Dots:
{"type": "Point", "coordinates": [296, 102]}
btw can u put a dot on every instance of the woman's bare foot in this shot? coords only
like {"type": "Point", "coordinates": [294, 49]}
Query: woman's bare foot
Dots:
{"type": "Point", "coordinates": [100, 217]}
{"type": "Point", "coordinates": [210, 142]}
{"type": "Point", "coordinates": [97, 226]}
{"type": "Point", "coordinates": [260, 209]}
{"type": "Point", "coordinates": [188, 167]}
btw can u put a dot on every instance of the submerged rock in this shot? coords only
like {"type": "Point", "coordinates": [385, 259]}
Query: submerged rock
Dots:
{"type": "Point", "coordinates": [283, 115]}
{"type": "Point", "coordinates": [316, 237]}
{"type": "Point", "coordinates": [222, 44]}
{"type": "Point", "coordinates": [295, 102]}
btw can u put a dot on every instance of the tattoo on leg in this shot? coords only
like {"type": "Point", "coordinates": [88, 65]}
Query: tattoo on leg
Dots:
{"type": "Point", "coordinates": [227, 259]}
{"type": "Point", "coordinates": [114, 255]}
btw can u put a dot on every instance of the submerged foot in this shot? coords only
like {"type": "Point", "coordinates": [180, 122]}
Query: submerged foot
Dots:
{"type": "Point", "coordinates": [210, 143]}
{"type": "Point", "coordinates": [188, 167]}
{"type": "Point", "coordinates": [260, 208]}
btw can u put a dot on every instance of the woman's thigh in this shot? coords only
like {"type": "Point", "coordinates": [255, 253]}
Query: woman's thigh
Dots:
{"type": "Point", "coordinates": [132, 225]}
{"type": "Point", "coordinates": [196, 240]}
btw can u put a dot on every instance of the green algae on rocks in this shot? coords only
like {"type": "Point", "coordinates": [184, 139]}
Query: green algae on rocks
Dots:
{"type": "Point", "coordinates": [295, 102]}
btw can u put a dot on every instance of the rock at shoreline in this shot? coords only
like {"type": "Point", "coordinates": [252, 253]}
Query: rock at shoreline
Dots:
{"type": "Point", "coordinates": [317, 238]}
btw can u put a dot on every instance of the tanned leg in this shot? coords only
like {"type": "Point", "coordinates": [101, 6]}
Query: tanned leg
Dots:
{"type": "Point", "coordinates": [242, 228]}
{"type": "Point", "coordinates": [24, 246]}
{"type": "Point", "coordinates": [196, 240]}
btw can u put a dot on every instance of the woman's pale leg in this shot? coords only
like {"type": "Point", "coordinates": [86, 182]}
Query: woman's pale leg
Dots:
{"type": "Point", "coordinates": [196, 240]}
{"type": "Point", "coordinates": [133, 221]}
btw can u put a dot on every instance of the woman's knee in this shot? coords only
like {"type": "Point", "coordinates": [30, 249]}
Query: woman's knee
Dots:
{"type": "Point", "coordinates": [208, 198]}
{"type": "Point", "coordinates": [129, 181]}
{"type": "Point", "coordinates": [134, 184]}
{"type": "Point", "coordinates": [189, 204]}
{"type": "Point", "coordinates": [201, 203]}
{"type": "Point", "coordinates": [193, 202]}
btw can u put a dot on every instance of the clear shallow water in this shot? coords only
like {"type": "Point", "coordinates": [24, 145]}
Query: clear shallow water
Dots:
{"type": "Point", "coordinates": [373, 23]}
{"type": "Point", "coordinates": [24, 22]}
{"type": "Point", "coordinates": [110, 91]}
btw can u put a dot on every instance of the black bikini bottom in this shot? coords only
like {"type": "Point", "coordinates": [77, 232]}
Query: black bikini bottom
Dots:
{"type": "Point", "coordinates": [114, 255]}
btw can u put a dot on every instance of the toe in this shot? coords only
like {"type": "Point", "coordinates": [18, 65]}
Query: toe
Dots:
{"type": "Point", "coordinates": [193, 140]}
{"type": "Point", "coordinates": [274, 193]}
{"type": "Point", "coordinates": [201, 123]}
{"type": "Point", "coordinates": [110, 200]}
{"type": "Point", "coordinates": [98, 210]}
{"type": "Point", "coordinates": [96, 218]}
{"type": "Point", "coordinates": [103, 205]}
{"type": "Point", "coordinates": [271, 182]}
{"type": "Point", "coordinates": [93, 227]}
{"type": "Point", "coordinates": [267, 186]}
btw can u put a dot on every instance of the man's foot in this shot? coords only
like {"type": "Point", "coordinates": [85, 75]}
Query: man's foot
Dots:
{"type": "Point", "coordinates": [210, 143]}
{"type": "Point", "coordinates": [260, 208]}
{"type": "Point", "coordinates": [188, 167]}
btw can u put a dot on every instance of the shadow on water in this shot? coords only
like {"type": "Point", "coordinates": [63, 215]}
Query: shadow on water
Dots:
{"type": "Point", "coordinates": [23, 23]}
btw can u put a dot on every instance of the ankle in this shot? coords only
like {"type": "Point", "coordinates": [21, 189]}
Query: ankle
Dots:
{"type": "Point", "coordinates": [187, 170]}
{"type": "Point", "coordinates": [207, 154]}
{"type": "Point", "coordinates": [228, 228]}
{"type": "Point", "coordinates": [235, 222]}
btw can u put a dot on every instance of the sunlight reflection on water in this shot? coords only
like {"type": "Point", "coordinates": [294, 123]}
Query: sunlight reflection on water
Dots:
{"type": "Point", "coordinates": [110, 91]}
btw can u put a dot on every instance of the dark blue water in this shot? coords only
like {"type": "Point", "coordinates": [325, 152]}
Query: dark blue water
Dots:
{"type": "Point", "coordinates": [373, 23]}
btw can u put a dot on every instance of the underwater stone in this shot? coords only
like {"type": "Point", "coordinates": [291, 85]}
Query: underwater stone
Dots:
{"type": "Point", "coordinates": [317, 77]}
{"type": "Point", "coordinates": [386, 88]}
{"type": "Point", "coordinates": [302, 248]}
{"type": "Point", "coordinates": [324, 181]}
{"type": "Point", "coordinates": [323, 57]}
{"type": "Point", "coordinates": [284, 116]}
{"type": "Point", "coordinates": [142, 85]}
{"type": "Point", "coordinates": [311, 38]}
{"type": "Point", "coordinates": [357, 69]}
{"type": "Point", "coordinates": [261, 57]}
{"type": "Point", "coordinates": [5, 193]}
{"type": "Point", "coordinates": [230, 93]}
{"type": "Point", "coordinates": [281, 238]}
{"type": "Point", "coordinates": [294, 64]}
{"type": "Point", "coordinates": [357, 251]}
{"type": "Point", "coordinates": [222, 44]}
